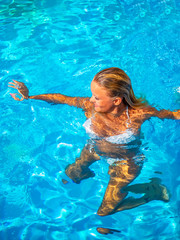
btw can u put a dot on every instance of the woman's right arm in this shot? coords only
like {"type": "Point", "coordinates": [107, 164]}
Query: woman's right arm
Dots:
{"type": "Point", "coordinates": [55, 98]}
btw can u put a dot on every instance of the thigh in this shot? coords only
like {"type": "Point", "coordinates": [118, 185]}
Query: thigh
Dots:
{"type": "Point", "coordinates": [121, 174]}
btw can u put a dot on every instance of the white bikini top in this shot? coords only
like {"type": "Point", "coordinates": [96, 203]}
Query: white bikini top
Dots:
{"type": "Point", "coordinates": [123, 138]}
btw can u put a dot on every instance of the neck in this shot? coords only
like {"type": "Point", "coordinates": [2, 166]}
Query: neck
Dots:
{"type": "Point", "coordinates": [117, 111]}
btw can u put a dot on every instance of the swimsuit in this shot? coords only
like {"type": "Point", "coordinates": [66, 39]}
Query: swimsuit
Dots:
{"type": "Point", "coordinates": [122, 138]}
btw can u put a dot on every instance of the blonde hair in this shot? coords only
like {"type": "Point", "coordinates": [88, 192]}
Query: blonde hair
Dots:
{"type": "Point", "coordinates": [118, 84]}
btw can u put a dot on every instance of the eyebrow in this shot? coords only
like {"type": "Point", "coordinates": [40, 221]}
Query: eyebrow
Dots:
{"type": "Point", "coordinates": [94, 95]}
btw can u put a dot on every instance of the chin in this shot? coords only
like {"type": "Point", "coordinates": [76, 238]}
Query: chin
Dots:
{"type": "Point", "coordinates": [97, 109]}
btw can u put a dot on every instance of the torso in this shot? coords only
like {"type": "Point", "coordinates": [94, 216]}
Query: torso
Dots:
{"type": "Point", "coordinates": [106, 125]}
{"type": "Point", "coordinates": [116, 137]}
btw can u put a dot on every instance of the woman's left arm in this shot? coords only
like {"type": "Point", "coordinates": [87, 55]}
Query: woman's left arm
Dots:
{"type": "Point", "coordinates": [153, 112]}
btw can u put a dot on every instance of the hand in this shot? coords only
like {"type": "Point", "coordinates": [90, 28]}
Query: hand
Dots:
{"type": "Point", "coordinates": [177, 114]}
{"type": "Point", "coordinates": [22, 89]}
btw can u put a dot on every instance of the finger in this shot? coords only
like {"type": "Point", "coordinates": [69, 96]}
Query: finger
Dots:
{"type": "Point", "coordinates": [12, 83]}
{"type": "Point", "coordinates": [12, 86]}
{"type": "Point", "coordinates": [13, 95]}
{"type": "Point", "coordinates": [16, 82]}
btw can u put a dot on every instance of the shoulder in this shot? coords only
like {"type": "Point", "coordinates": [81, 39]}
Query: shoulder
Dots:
{"type": "Point", "coordinates": [87, 106]}
{"type": "Point", "coordinates": [83, 102]}
{"type": "Point", "coordinates": [150, 111]}
{"type": "Point", "coordinates": [144, 113]}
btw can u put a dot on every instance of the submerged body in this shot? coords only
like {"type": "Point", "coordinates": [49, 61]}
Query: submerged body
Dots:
{"type": "Point", "coordinates": [114, 119]}
{"type": "Point", "coordinates": [122, 152]}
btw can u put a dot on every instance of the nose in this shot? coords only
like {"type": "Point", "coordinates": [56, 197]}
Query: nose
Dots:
{"type": "Point", "coordinates": [92, 99]}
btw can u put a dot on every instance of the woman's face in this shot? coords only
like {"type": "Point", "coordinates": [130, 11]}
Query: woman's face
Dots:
{"type": "Point", "coordinates": [102, 101]}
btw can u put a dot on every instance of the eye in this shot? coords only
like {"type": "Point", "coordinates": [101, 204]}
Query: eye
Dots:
{"type": "Point", "coordinates": [96, 98]}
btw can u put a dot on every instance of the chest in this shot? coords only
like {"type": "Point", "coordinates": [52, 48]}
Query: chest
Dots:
{"type": "Point", "coordinates": [105, 126]}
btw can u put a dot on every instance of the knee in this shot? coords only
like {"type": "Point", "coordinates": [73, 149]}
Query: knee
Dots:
{"type": "Point", "coordinates": [103, 212]}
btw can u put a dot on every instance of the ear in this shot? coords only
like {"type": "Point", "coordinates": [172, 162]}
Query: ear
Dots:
{"type": "Point", "coordinates": [117, 101]}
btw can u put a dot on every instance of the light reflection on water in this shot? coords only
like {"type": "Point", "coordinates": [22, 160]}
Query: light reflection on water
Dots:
{"type": "Point", "coordinates": [58, 47]}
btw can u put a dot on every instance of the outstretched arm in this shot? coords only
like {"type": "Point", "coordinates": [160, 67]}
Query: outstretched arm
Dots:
{"type": "Point", "coordinates": [58, 98]}
{"type": "Point", "coordinates": [153, 112]}
{"type": "Point", "coordinates": [168, 114]}
{"type": "Point", "coordinates": [23, 93]}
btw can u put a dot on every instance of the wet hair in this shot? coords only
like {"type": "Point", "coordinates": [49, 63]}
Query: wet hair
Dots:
{"type": "Point", "coordinates": [118, 84]}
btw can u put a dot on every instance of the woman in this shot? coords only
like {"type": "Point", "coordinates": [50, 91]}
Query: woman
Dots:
{"type": "Point", "coordinates": [114, 118]}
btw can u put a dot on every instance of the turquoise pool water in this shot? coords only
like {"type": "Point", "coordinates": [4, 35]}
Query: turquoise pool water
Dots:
{"type": "Point", "coordinates": [58, 46]}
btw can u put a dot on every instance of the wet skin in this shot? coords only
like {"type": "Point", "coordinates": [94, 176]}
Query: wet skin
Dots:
{"type": "Point", "coordinates": [108, 118]}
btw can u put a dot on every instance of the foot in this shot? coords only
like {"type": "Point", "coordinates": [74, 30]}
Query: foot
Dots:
{"type": "Point", "coordinates": [106, 231]}
{"type": "Point", "coordinates": [77, 174]}
{"type": "Point", "coordinates": [156, 191]}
